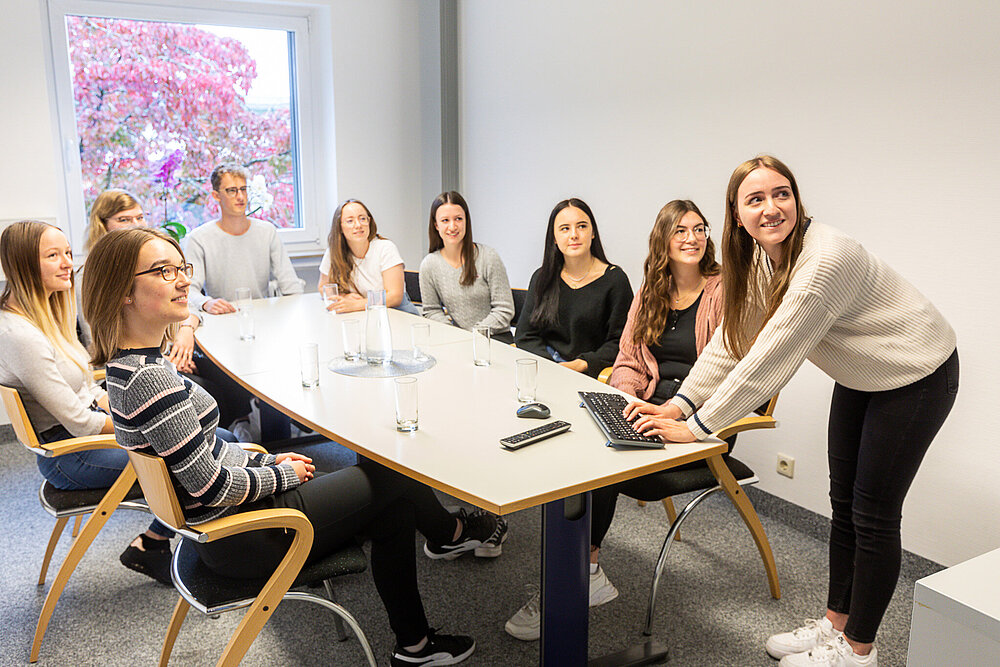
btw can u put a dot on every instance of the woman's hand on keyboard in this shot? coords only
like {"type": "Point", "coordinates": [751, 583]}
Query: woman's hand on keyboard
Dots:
{"type": "Point", "coordinates": [667, 429]}
{"type": "Point", "coordinates": [639, 408]}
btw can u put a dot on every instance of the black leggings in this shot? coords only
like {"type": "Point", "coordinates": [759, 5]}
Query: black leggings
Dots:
{"type": "Point", "coordinates": [233, 399]}
{"type": "Point", "coordinates": [366, 499]}
{"type": "Point", "coordinates": [876, 443]}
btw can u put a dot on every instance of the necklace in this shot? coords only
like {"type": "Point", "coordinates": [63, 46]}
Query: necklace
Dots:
{"type": "Point", "coordinates": [581, 278]}
{"type": "Point", "coordinates": [682, 301]}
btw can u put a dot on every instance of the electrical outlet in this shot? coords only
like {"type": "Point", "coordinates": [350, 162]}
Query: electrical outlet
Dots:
{"type": "Point", "coordinates": [786, 465]}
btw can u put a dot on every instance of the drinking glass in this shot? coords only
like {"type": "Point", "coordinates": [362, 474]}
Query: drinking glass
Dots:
{"type": "Point", "coordinates": [420, 335]}
{"type": "Point", "coordinates": [481, 345]}
{"type": "Point", "coordinates": [330, 293]}
{"type": "Point", "coordinates": [309, 364]}
{"type": "Point", "coordinates": [244, 305]}
{"type": "Point", "coordinates": [351, 331]}
{"type": "Point", "coordinates": [526, 379]}
{"type": "Point", "coordinates": [406, 404]}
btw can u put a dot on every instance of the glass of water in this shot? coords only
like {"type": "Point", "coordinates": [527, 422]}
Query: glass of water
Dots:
{"type": "Point", "coordinates": [309, 364]}
{"type": "Point", "coordinates": [420, 336]}
{"type": "Point", "coordinates": [481, 345]}
{"type": "Point", "coordinates": [406, 404]}
{"type": "Point", "coordinates": [244, 306]}
{"type": "Point", "coordinates": [526, 379]}
{"type": "Point", "coordinates": [351, 335]}
{"type": "Point", "coordinates": [330, 293]}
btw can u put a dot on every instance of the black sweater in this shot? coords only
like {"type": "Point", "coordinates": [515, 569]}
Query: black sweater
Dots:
{"type": "Point", "coordinates": [590, 321]}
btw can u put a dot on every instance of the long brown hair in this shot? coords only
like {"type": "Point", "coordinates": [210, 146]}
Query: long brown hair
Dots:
{"type": "Point", "coordinates": [24, 294]}
{"type": "Point", "coordinates": [108, 280]}
{"type": "Point", "coordinates": [341, 262]}
{"type": "Point", "coordinates": [751, 303]}
{"type": "Point", "coordinates": [107, 205]}
{"type": "Point", "coordinates": [654, 303]}
{"type": "Point", "coordinates": [435, 242]}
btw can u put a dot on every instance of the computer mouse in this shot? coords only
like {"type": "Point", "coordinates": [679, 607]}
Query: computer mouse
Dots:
{"type": "Point", "coordinates": [533, 411]}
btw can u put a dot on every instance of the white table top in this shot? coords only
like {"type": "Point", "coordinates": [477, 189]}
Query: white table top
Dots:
{"type": "Point", "coordinates": [968, 593]}
{"type": "Point", "coordinates": [463, 409]}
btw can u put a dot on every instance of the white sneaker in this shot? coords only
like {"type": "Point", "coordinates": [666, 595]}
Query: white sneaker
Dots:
{"type": "Point", "coordinates": [526, 623]}
{"type": "Point", "coordinates": [813, 633]}
{"type": "Point", "coordinates": [601, 590]}
{"type": "Point", "coordinates": [834, 652]}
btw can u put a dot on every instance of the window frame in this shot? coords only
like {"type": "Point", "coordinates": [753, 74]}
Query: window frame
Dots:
{"type": "Point", "coordinates": [311, 104]}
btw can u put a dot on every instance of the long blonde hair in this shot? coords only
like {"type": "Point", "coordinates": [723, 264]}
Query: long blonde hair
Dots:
{"type": "Point", "coordinates": [24, 294]}
{"type": "Point", "coordinates": [748, 305]}
{"type": "Point", "coordinates": [107, 205]}
{"type": "Point", "coordinates": [654, 304]}
{"type": "Point", "coordinates": [109, 279]}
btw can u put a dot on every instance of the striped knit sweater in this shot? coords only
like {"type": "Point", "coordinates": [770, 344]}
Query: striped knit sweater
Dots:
{"type": "Point", "coordinates": [156, 411]}
{"type": "Point", "coordinates": [846, 311]}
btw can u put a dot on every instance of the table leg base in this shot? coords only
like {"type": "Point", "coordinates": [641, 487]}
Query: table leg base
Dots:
{"type": "Point", "coordinates": [649, 653]}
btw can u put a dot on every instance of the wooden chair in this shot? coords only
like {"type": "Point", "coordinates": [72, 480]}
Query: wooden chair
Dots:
{"type": "Point", "coordinates": [702, 480]}
{"type": "Point", "coordinates": [211, 594]}
{"type": "Point", "coordinates": [100, 504]}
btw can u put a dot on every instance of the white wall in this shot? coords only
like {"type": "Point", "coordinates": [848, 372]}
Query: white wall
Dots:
{"type": "Point", "coordinates": [887, 113]}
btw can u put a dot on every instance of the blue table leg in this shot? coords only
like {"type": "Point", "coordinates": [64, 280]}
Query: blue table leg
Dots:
{"type": "Point", "coordinates": [565, 580]}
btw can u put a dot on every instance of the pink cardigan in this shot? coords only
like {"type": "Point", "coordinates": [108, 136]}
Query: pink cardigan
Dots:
{"type": "Point", "coordinates": [636, 371]}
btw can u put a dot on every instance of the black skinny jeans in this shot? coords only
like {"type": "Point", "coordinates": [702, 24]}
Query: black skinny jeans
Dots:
{"type": "Point", "coordinates": [876, 443]}
{"type": "Point", "coordinates": [367, 499]}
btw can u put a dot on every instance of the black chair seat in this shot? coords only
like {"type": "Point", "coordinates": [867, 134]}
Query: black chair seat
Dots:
{"type": "Point", "coordinates": [692, 477]}
{"type": "Point", "coordinates": [212, 590]}
{"type": "Point", "coordinates": [65, 501]}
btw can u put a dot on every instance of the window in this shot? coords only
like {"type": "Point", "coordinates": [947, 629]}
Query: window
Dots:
{"type": "Point", "coordinates": [150, 98]}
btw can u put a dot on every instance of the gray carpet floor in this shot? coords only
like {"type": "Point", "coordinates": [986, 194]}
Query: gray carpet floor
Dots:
{"type": "Point", "coordinates": [713, 608]}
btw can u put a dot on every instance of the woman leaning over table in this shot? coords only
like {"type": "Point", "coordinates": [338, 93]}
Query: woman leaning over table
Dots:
{"type": "Point", "coordinates": [137, 289]}
{"type": "Point", "coordinates": [797, 290]}
{"type": "Point", "coordinates": [42, 358]}
{"type": "Point", "coordinates": [357, 260]}
{"type": "Point", "coordinates": [577, 302]}
{"type": "Point", "coordinates": [461, 282]}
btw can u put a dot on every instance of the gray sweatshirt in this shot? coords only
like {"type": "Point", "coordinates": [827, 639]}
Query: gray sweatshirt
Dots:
{"type": "Point", "coordinates": [486, 301]}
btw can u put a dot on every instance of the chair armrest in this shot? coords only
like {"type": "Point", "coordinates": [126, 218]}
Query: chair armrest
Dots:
{"type": "Point", "coordinates": [751, 423]}
{"type": "Point", "coordinates": [99, 374]}
{"type": "Point", "coordinates": [243, 522]}
{"type": "Point", "coordinates": [60, 447]}
{"type": "Point", "coordinates": [605, 375]}
{"type": "Point", "coordinates": [252, 447]}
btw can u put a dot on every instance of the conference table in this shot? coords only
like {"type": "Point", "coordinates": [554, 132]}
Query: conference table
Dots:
{"type": "Point", "coordinates": [464, 410]}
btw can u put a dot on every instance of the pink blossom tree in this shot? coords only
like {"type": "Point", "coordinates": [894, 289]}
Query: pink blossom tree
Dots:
{"type": "Point", "coordinates": [145, 90]}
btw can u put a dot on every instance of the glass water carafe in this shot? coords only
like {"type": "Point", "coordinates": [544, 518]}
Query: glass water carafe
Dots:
{"type": "Point", "coordinates": [378, 337]}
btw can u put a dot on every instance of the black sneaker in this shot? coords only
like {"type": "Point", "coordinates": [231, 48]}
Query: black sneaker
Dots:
{"type": "Point", "coordinates": [153, 560]}
{"type": "Point", "coordinates": [439, 650]}
{"type": "Point", "coordinates": [477, 530]}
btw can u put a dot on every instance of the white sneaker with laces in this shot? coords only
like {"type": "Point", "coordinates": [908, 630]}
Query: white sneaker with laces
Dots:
{"type": "Point", "coordinates": [526, 623]}
{"type": "Point", "coordinates": [835, 652]}
{"type": "Point", "coordinates": [805, 638]}
{"type": "Point", "coordinates": [601, 589]}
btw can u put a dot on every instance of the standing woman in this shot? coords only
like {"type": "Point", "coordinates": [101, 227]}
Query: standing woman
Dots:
{"type": "Point", "coordinates": [461, 282]}
{"type": "Point", "coordinates": [357, 259]}
{"type": "Point", "coordinates": [798, 290]}
{"type": "Point", "coordinates": [42, 358]}
{"type": "Point", "coordinates": [577, 302]}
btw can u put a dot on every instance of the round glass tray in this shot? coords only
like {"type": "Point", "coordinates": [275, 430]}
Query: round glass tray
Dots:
{"type": "Point", "coordinates": [402, 363]}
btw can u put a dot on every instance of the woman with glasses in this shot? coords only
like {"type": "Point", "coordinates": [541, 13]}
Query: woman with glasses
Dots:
{"type": "Point", "coordinates": [156, 412]}
{"type": "Point", "coordinates": [41, 357]}
{"type": "Point", "coordinates": [672, 317]}
{"type": "Point", "coordinates": [577, 301]}
{"type": "Point", "coordinates": [358, 259]}
{"type": "Point", "coordinates": [796, 290]}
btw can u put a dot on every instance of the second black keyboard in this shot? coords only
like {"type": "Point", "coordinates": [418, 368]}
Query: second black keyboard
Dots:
{"type": "Point", "coordinates": [606, 409]}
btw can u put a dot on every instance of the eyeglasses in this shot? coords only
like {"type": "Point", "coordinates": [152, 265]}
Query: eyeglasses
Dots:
{"type": "Point", "coordinates": [700, 232]}
{"type": "Point", "coordinates": [169, 272]}
{"type": "Point", "coordinates": [130, 219]}
{"type": "Point", "coordinates": [232, 191]}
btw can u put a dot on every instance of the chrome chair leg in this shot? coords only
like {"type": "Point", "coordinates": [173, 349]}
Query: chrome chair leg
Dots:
{"type": "Point", "coordinates": [337, 621]}
{"type": "Point", "coordinates": [342, 613]}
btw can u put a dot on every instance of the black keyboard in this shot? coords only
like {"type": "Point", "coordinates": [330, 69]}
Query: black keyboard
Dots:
{"type": "Point", "coordinates": [534, 435]}
{"type": "Point", "coordinates": [606, 409]}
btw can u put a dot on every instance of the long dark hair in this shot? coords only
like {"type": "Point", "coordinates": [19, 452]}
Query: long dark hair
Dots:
{"type": "Point", "coordinates": [546, 311]}
{"type": "Point", "coordinates": [748, 306]}
{"type": "Point", "coordinates": [341, 263]}
{"type": "Point", "coordinates": [654, 306]}
{"type": "Point", "coordinates": [468, 247]}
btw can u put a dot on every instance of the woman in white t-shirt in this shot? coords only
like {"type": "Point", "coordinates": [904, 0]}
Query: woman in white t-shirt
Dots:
{"type": "Point", "coordinates": [357, 259]}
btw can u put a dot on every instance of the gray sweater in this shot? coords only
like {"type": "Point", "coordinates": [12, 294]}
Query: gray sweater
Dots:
{"type": "Point", "coordinates": [486, 301]}
{"type": "Point", "coordinates": [53, 389]}
{"type": "Point", "coordinates": [846, 311]}
{"type": "Point", "coordinates": [223, 262]}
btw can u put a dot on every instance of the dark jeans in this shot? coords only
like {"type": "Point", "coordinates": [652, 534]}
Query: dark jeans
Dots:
{"type": "Point", "coordinates": [90, 469]}
{"type": "Point", "coordinates": [366, 499]}
{"type": "Point", "coordinates": [233, 399]}
{"type": "Point", "coordinates": [876, 443]}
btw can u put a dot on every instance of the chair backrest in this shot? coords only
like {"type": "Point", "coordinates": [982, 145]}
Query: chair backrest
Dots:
{"type": "Point", "coordinates": [519, 296]}
{"type": "Point", "coordinates": [158, 488]}
{"type": "Point", "coordinates": [767, 410]}
{"type": "Point", "coordinates": [18, 417]}
{"type": "Point", "coordinates": [411, 281]}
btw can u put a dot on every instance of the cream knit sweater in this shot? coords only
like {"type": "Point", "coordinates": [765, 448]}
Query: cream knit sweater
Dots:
{"type": "Point", "coordinates": [846, 311]}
